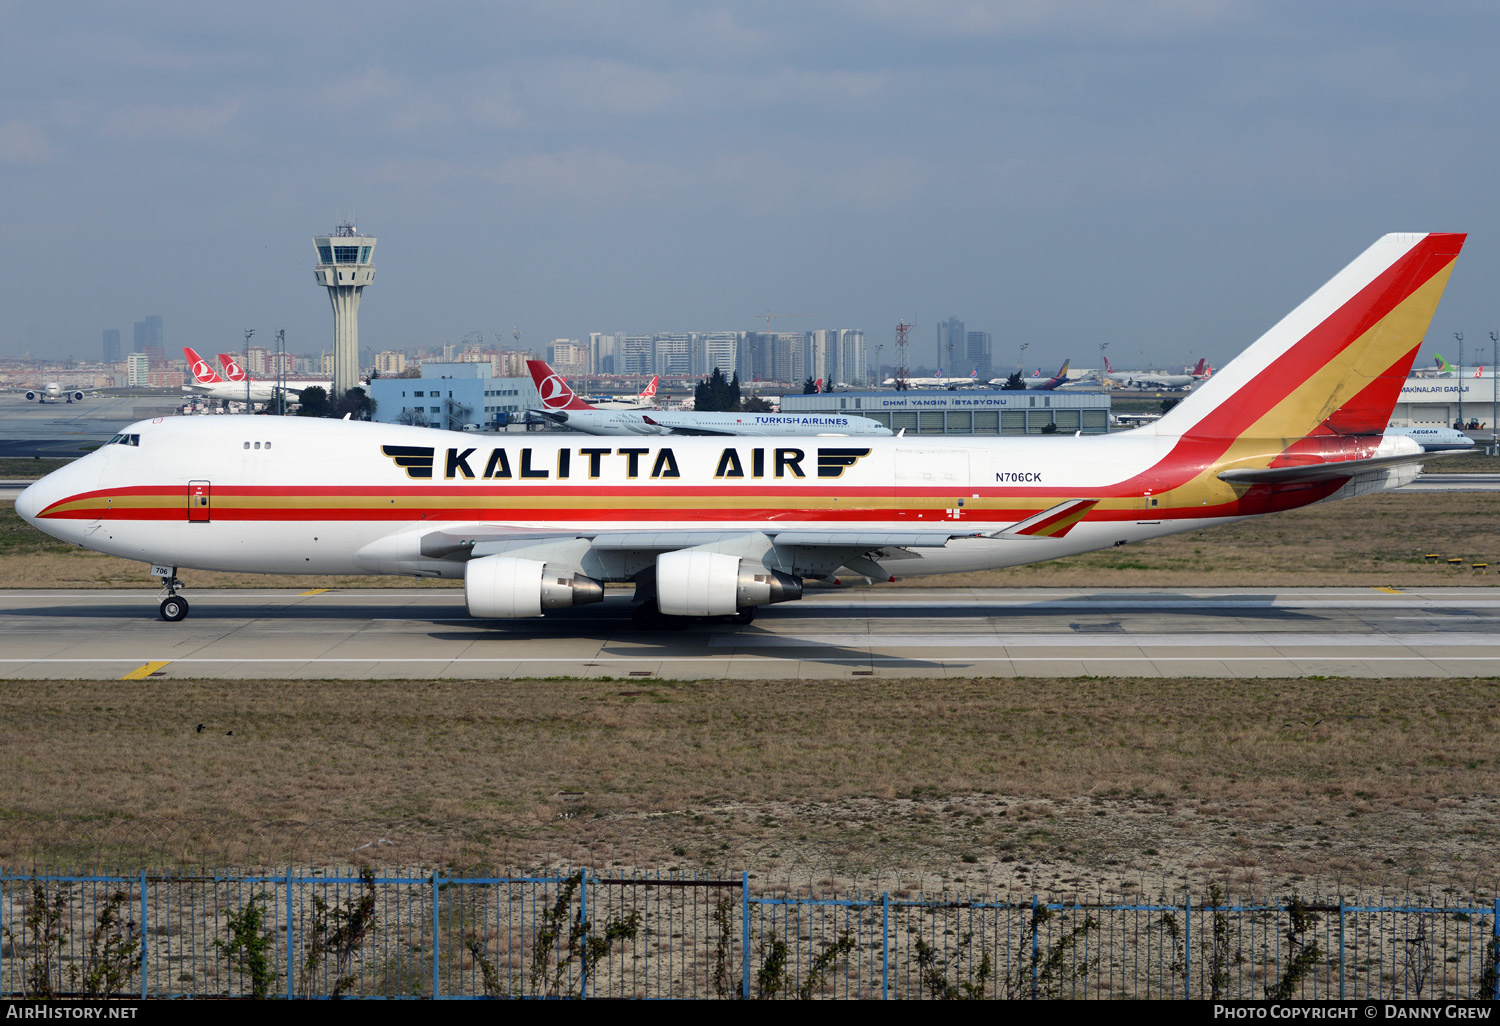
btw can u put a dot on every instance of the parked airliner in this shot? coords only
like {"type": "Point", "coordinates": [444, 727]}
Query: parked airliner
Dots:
{"type": "Point", "coordinates": [716, 527]}
{"type": "Point", "coordinates": [562, 406]}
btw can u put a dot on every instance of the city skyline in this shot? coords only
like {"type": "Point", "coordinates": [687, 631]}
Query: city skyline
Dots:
{"type": "Point", "coordinates": [1161, 176]}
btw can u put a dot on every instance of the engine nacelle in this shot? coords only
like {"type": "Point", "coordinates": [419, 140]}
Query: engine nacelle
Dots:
{"type": "Point", "coordinates": [506, 586]}
{"type": "Point", "coordinates": [693, 582]}
{"type": "Point", "coordinates": [30, 397]}
{"type": "Point", "coordinates": [77, 397]}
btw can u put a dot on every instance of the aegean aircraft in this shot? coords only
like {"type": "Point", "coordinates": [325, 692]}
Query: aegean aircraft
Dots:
{"type": "Point", "coordinates": [717, 527]}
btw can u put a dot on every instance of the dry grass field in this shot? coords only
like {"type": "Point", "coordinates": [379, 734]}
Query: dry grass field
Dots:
{"type": "Point", "coordinates": [995, 787]}
{"type": "Point", "coordinates": [1051, 785]}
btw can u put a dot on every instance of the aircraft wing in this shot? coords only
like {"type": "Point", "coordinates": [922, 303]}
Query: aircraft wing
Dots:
{"type": "Point", "coordinates": [452, 541]}
{"type": "Point", "coordinates": [684, 429]}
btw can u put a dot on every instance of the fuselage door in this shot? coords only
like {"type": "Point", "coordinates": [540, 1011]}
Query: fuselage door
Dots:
{"type": "Point", "coordinates": [198, 505]}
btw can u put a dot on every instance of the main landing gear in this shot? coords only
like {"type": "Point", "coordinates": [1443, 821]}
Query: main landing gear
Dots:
{"type": "Point", "coordinates": [173, 607]}
{"type": "Point", "coordinates": [649, 617]}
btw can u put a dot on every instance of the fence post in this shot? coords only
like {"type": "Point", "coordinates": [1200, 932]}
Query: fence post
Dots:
{"type": "Point", "coordinates": [885, 945]}
{"type": "Point", "coordinates": [583, 919]}
{"type": "Point", "coordinates": [291, 945]}
{"type": "Point", "coordinates": [1341, 947]}
{"type": "Point", "coordinates": [1035, 948]}
{"type": "Point", "coordinates": [1187, 950]}
{"type": "Point", "coordinates": [145, 941]}
{"type": "Point", "coordinates": [435, 945]}
{"type": "Point", "coordinates": [745, 934]}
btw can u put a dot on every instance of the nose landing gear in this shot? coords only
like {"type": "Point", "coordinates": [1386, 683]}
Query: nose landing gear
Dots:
{"type": "Point", "coordinates": [173, 606]}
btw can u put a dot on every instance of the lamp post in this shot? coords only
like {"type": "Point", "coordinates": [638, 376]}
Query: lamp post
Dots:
{"type": "Point", "coordinates": [249, 332]}
{"type": "Point", "coordinates": [1494, 395]}
{"type": "Point", "coordinates": [1102, 376]}
{"type": "Point", "coordinates": [281, 372]}
{"type": "Point", "coordinates": [1022, 364]}
{"type": "Point", "coordinates": [1460, 337]}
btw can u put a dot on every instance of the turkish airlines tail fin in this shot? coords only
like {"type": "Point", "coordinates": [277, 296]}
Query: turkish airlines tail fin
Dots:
{"type": "Point", "coordinates": [555, 393]}
{"type": "Point", "coordinates": [650, 392]}
{"type": "Point", "coordinates": [1334, 366]}
{"type": "Point", "coordinates": [200, 370]}
{"type": "Point", "coordinates": [232, 370]}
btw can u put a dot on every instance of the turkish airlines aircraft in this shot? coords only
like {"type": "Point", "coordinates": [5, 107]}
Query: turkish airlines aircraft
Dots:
{"type": "Point", "coordinates": [51, 392]}
{"type": "Point", "coordinates": [562, 406]}
{"type": "Point", "coordinates": [720, 526]}
{"type": "Point", "coordinates": [207, 382]}
{"type": "Point", "coordinates": [237, 375]}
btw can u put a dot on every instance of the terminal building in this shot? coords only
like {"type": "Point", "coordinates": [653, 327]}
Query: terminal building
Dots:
{"type": "Point", "coordinates": [1447, 401]}
{"type": "Point", "coordinates": [966, 411]}
{"type": "Point", "coordinates": [453, 396]}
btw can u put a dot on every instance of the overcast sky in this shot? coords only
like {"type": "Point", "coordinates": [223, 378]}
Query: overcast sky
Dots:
{"type": "Point", "coordinates": [1168, 176]}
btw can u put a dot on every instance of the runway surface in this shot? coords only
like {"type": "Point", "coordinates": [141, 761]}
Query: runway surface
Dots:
{"type": "Point", "coordinates": [950, 632]}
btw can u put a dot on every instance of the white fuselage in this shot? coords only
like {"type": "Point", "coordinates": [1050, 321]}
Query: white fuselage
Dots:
{"type": "Point", "coordinates": [663, 422]}
{"type": "Point", "coordinates": [288, 495]}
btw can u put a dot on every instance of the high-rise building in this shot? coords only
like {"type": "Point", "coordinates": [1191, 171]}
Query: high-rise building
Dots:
{"type": "Point", "coordinates": [640, 354]}
{"type": "Point", "coordinates": [823, 355]}
{"type": "Point", "coordinates": [853, 357]}
{"type": "Point", "coordinates": [148, 333]}
{"type": "Point", "coordinates": [716, 350]}
{"type": "Point", "coordinates": [568, 356]}
{"type": "Point", "coordinates": [978, 354]}
{"type": "Point", "coordinates": [138, 369]}
{"type": "Point", "coordinates": [344, 270]}
{"type": "Point", "coordinates": [391, 362]}
{"type": "Point", "coordinates": [950, 344]}
{"type": "Point", "coordinates": [673, 354]}
{"type": "Point", "coordinates": [111, 345]}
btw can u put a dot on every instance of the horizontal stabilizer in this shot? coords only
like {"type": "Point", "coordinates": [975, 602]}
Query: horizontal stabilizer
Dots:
{"type": "Point", "coordinates": [1326, 471]}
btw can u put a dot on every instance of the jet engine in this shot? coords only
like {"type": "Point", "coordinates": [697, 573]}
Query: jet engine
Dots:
{"type": "Point", "coordinates": [507, 586]}
{"type": "Point", "coordinates": [77, 397]}
{"type": "Point", "coordinates": [694, 582]}
{"type": "Point", "coordinates": [30, 397]}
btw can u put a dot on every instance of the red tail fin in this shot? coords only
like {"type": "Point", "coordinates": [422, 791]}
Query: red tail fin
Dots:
{"type": "Point", "coordinates": [650, 392]}
{"type": "Point", "coordinates": [555, 393]}
{"type": "Point", "coordinates": [200, 370]}
{"type": "Point", "coordinates": [233, 371]}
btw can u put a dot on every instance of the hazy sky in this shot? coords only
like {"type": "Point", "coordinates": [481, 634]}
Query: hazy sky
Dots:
{"type": "Point", "coordinates": [1169, 177]}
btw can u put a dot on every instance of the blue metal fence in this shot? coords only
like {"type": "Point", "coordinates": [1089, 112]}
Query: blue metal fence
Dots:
{"type": "Point", "coordinates": [585, 935]}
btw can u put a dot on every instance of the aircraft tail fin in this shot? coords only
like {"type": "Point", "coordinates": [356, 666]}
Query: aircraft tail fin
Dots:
{"type": "Point", "coordinates": [232, 370]}
{"type": "Point", "coordinates": [1198, 370]}
{"type": "Point", "coordinates": [1443, 364]}
{"type": "Point", "coordinates": [555, 392]}
{"type": "Point", "coordinates": [650, 392]}
{"type": "Point", "coordinates": [1334, 366]}
{"type": "Point", "coordinates": [200, 370]}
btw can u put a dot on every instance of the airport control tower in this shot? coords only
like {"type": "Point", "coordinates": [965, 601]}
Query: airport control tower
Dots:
{"type": "Point", "coordinates": [344, 269]}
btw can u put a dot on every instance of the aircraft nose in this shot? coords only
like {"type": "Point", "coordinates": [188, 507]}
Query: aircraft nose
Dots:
{"type": "Point", "coordinates": [28, 503]}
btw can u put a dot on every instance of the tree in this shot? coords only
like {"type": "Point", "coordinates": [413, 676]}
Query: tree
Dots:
{"type": "Point", "coordinates": [314, 402]}
{"type": "Point", "coordinates": [755, 404]}
{"type": "Point", "coordinates": [1014, 383]}
{"type": "Point", "coordinates": [356, 404]}
{"type": "Point", "coordinates": [413, 416]}
{"type": "Point", "coordinates": [809, 386]}
{"type": "Point", "coordinates": [715, 395]}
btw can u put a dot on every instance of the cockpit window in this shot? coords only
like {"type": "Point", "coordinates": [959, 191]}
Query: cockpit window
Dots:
{"type": "Point", "coordinates": [124, 439]}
